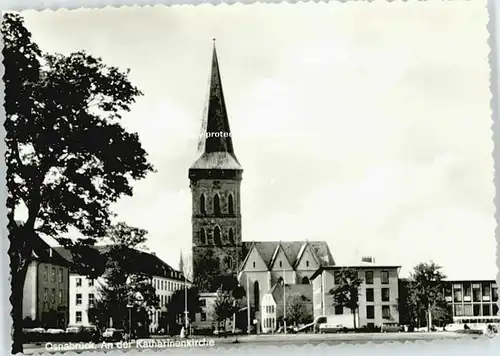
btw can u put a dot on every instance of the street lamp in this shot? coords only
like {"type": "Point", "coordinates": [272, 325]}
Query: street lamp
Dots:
{"type": "Point", "coordinates": [132, 300]}
{"type": "Point", "coordinates": [130, 306]}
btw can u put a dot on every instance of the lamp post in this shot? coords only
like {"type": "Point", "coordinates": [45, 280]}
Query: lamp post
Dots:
{"type": "Point", "coordinates": [132, 300]}
{"type": "Point", "coordinates": [284, 300]}
{"type": "Point", "coordinates": [130, 306]}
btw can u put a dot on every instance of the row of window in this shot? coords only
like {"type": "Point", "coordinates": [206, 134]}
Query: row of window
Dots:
{"type": "Point", "coordinates": [164, 300]}
{"type": "Point", "coordinates": [79, 299]}
{"type": "Point", "coordinates": [370, 311]}
{"type": "Point", "coordinates": [52, 274]}
{"type": "Point", "coordinates": [269, 309]}
{"type": "Point", "coordinates": [216, 238]}
{"type": "Point", "coordinates": [384, 277]}
{"type": "Point", "coordinates": [476, 292]}
{"type": "Point", "coordinates": [475, 309]}
{"type": "Point", "coordinates": [385, 294]}
{"type": "Point", "coordinates": [216, 205]}
{"type": "Point", "coordinates": [168, 286]}
{"type": "Point", "coordinates": [60, 296]}
{"type": "Point", "coordinates": [269, 323]}
{"type": "Point", "coordinates": [79, 282]}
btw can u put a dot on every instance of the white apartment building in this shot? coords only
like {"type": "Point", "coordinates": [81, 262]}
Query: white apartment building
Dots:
{"type": "Point", "coordinates": [165, 286]}
{"type": "Point", "coordinates": [84, 292]}
{"type": "Point", "coordinates": [378, 297]}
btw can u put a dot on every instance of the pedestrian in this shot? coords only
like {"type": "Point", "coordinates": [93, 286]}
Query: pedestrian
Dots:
{"type": "Point", "coordinates": [183, 333]}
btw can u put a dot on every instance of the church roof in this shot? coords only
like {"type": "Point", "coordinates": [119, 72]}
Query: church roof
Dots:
{"type": "Point", "coordinates": [292, 250]}
{"type": "Point", "coordinates": [215, 146]}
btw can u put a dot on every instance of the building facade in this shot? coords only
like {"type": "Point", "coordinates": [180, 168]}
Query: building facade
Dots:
{"type": "Point", "coordinates": [46, 288]}
{"type": "Point", "coordinates": [204, 320]}
{"type": "Point", "coordinates": [466, 298]}
{"type": "Point", "coordinates": [84, 291]}
{"type": "Point", "coordinates": [271, 263]}
{"type": "Point", "coordinates": [378, 294]}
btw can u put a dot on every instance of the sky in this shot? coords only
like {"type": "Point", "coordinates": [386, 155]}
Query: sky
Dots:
{"type": "Point", "coordinates": [366, 125]}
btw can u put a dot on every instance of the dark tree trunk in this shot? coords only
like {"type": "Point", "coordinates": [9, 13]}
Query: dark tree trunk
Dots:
{"type": "Point", "coordinates": [20, 253]}
{"type": "Point", "coordinates": [16, 299]}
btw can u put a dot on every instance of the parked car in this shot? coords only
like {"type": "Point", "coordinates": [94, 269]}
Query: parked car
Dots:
{"type": "Point", "coordinates": [55, 331]}
{"type": "Point", "coordinates": [391, 328]}
{"type": "Point", "coordinates": [73, 329]}
{"type": "Point", "coordinates": [113, 335]}
{"type": "Point", "coordinates": [329, 328]}
{"type": "Point", "coordinates": [38, 330]}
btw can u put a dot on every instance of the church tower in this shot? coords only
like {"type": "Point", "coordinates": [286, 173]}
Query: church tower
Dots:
{"type": "Point", "coordinates": [215, 179]}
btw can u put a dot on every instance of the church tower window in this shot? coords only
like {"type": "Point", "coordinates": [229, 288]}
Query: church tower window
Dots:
{"type": "Point", "coordinates": [231, 236]}
{"type": "Point", "coordinates": [229, 262]}
{"type": "Point", "coordinates": [216, 204]}
{"type": "Point", "coordinates": [230, 206]}
{"type": "Point", "coordinates": [202, 204]}
{"type": "Point", "coordinates": [203, 237]}
{"type": "Point", "coordinates": [217, 239]}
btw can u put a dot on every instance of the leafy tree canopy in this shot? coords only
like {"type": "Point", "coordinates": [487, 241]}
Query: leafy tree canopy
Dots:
{"type": "Point", "coordinates": [68, 158]}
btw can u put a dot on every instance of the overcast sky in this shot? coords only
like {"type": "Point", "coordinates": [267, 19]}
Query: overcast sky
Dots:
{"type": "Point", "coordinates": [363, 124]}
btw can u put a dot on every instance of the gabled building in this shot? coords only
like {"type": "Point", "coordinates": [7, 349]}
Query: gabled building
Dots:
{"type": "Point", "coordinates": [269, 263]}
{"type": "Point", "coordinates": [46, 288]}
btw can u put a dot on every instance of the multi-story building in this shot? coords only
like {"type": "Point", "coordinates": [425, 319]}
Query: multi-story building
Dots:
{"type": "Point", "coordinates": [378, 294]}
{"type": "Point", "coordinates": [84, 291]}
{"type": "Point", "coordinates": [46, 288]}
{"type": "Point", "coordinates": [471, 298]}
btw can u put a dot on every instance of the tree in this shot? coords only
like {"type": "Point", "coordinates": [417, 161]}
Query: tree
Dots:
{"type": "Point", "coordinates": [224, 306]}
{"type": "Point", "coordinates": [68, 158]}
{"type": "Point", "coordinates": [177, 305]}
{"type": "Point", "coordinates": [346, 291]}
{"type": "Point", "coordinates": [427, 288]}
{"type": "Point", "coordinates": [206, 268]}
{"type": "Point", "coordinates": [124, 282]}
{"type": "Point", "coordinates": [295, 308]}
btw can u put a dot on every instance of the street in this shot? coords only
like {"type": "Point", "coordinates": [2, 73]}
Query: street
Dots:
{"type": "Point", "coordinates": [243, 341]}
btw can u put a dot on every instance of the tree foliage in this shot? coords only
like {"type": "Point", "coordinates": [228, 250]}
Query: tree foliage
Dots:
{"type": "Point", "coordinates": [225, 306]}
{"type": "Point", "coordinates": [426, 291]}
{"type": "Point", "coordinates": [206, 269]}
{"type": "Point", "coordinates": [346, 290]}
{"type": "Point", "coordinates": [177, 304]}
{"type": "Point", "coordinates": [68, 158]}
{"type": "Point", "coordinates": [296, 308]}
{"type": "Point", "coordinates": [123, 286]}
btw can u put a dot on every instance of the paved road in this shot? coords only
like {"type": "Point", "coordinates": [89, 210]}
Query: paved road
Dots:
{"type": "Point", "coordinates": [243, 341]}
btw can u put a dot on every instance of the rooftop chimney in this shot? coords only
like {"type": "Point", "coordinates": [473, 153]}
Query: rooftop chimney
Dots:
{"type": "Point", "coordinates": [368, 259]}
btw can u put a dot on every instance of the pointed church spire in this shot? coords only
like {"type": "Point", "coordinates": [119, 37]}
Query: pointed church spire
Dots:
{"type": "Point", "coordinates": [215, 145]}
